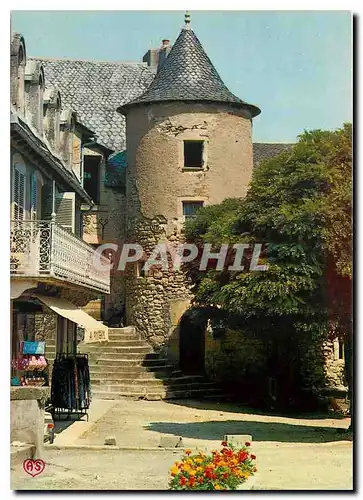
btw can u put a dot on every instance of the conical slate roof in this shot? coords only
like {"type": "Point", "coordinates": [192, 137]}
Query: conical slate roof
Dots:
{"type": "Point", "coordinates": [188, 75]}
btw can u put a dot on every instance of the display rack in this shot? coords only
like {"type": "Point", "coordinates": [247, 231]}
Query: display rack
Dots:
{"type": "Point", "coordinates": [32, 363]}
{"type": "Point", "coordinates": [71, 388]}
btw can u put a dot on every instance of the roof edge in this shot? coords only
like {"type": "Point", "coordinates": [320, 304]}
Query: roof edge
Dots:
{"type": "Point", "coordinates": [254, 110]}
{"type": "Point", "coordinates": [69, 59]}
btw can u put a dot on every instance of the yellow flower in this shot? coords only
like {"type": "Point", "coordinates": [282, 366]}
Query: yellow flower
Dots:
{"type": "Point", "coordinates": [187, 469]}
{"type": "Point", "coordinates": [174, 470]}
{"type": "Point", "coordinates": [218, 487]}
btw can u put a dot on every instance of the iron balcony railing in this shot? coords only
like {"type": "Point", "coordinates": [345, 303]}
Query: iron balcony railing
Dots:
{"type": "Point", "coordinates": [45, 249]}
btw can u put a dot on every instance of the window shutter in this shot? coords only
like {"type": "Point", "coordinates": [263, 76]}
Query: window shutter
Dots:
{"type": "Point", "coordinates": [19, 187]}
{"type": "Point", "coordinates": [47, 202]}
{"type": "Point", "coordinates": [66, 210]}
{"type": "Point", "coordinates": [34, 197]}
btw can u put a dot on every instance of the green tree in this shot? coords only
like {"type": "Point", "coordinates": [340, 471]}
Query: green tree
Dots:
{"type": "Point", "coordinates": [299, 206]}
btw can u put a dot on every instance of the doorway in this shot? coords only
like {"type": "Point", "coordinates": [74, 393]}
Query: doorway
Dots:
{"type": "Point", "coordinates": [191, 344]}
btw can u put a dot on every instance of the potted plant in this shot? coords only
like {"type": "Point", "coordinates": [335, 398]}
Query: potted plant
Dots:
{"type": "Point", "coordinates": [227, 469]}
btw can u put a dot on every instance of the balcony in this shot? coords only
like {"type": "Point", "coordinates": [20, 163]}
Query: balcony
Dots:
{"type": "Point", "coordinates": [46, 251]}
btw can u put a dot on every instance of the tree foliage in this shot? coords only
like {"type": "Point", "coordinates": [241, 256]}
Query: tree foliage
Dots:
{"type": "Point", "coordinates": [299, 207]}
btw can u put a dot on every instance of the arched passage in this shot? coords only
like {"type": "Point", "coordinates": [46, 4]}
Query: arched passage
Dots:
{"type": "Point", "coordinates": [192, 342]}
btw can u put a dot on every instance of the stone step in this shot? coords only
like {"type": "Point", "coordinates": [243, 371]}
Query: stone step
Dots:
{"type": "Point", "coordinates": [139, 384]}
{"type": "Point", "coordinates": [125, 384]}
{"type": "Point", "coordinates": [126, 343]}
{"type": "Point", "coordinates": [119, 350]}
{"type": "Point", "coordinates": [164, 394]}
{"type": "Point", "coordinates": [126, 330]}
{"type": "Point", "coordinates": [129, 375]}
{"type": "Point", "coordinates": [128, 362]}
{"type": "Point", "coordinates": [123, 336]}
{"type": "Point", "coordinates": [120, 357]}
{"type": "Point", "coordinates": [128, 370]}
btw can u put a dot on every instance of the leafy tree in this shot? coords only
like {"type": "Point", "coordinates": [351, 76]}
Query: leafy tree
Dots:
{"type": "Point", "coordinates": [299, 207]}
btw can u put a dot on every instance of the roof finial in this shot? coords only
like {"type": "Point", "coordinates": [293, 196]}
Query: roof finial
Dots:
{"type": "Point", "coordinates": [187, 20]}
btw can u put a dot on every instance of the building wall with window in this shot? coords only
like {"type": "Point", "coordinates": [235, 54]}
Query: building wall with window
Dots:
{"type": "Point", "coordinates": [180, 157]}
{"type": "Point", "coordinates": [156, 138]}
{"type": "Point", "coordinates": [45, 163]}
{"type": "Point", "coordinates": [104, 223]}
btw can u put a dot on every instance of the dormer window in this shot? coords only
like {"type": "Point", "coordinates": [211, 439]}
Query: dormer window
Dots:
{"type": "Point", "coordinates": [21, 84]}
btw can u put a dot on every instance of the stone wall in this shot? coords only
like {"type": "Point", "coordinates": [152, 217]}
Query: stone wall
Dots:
{"type": "Point", "coordinates": [149, 297]}
{"type": "Point", "coordinates": [334, 367]}
{"type": "Point", "coordinates": [156, 174]}
{"type": "Point", "coordinates": [246, 365]}
{"type": "Point", "coordinates": [156, 186]}
{"type": "Point", "coordinates": [27, 416]}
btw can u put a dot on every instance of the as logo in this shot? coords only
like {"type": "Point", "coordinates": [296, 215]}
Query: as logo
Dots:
{"type": "Point", "coordinates": [33, 467]}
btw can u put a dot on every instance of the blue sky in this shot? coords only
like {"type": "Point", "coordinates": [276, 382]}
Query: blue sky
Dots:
{"type": "Point", "coordinates": [295, 65]}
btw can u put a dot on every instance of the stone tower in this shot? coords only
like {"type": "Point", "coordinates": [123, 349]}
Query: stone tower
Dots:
{"type": "Point", "coordinates": [189, 143]}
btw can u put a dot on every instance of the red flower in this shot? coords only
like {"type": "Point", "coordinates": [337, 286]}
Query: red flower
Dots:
{"type": "Point", "coordinates": [253, 457]}
{"type": "Point", "coordinates": [242, 456]}
{"type": "Point", "coordinates": [182, 481]}
{"type": "Point", "coordinates": [200, 479]}
{"type": "Point", "coordinates": [191, 481]}
{"type": "Point", "coordinates": [247, 443]}
{"type": "Point", "coordinates": [209, 473]}
{"type": "Point", "coordinates": [224, 443]}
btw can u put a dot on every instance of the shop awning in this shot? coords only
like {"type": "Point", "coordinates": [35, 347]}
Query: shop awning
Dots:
{"type": "Point", "coordinates": [94, 330]}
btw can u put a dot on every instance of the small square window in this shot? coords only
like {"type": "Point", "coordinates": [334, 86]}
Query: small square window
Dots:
{"type": "Point", "coordinates": [190, 208]}
{"type": "Point", "coordinates": [193, 154]}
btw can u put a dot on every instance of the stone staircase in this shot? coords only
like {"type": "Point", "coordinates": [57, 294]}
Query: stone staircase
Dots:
{"type": "Point", "coordinates": [126, 366]}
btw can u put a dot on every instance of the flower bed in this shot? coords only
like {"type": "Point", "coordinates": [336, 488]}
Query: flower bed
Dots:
{"type": "Point", "coordinates": [227, 469]}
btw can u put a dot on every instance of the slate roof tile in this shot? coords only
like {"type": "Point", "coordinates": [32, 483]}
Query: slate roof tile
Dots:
{"type": "Point", "coordinates": [189, 75]}
{"type": "Point", "coordinates": [263, 151]}
{"type": "Point", "coordinates": [95, 89]}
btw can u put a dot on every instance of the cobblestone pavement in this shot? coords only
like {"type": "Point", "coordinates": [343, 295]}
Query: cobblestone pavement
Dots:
{"type": "Point", "coordinates": [291, 453]}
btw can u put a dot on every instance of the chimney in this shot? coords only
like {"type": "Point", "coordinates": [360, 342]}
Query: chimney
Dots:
{"type": "Point", "coordinates": [156, 57]}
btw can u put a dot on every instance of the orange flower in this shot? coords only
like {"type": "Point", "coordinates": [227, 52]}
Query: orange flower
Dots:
{"type": "Point", "coordinates": [188, 452]}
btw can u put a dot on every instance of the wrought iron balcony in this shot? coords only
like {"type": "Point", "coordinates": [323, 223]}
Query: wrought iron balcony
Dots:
{"type": "Point", "coordinates": [42, 249]}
